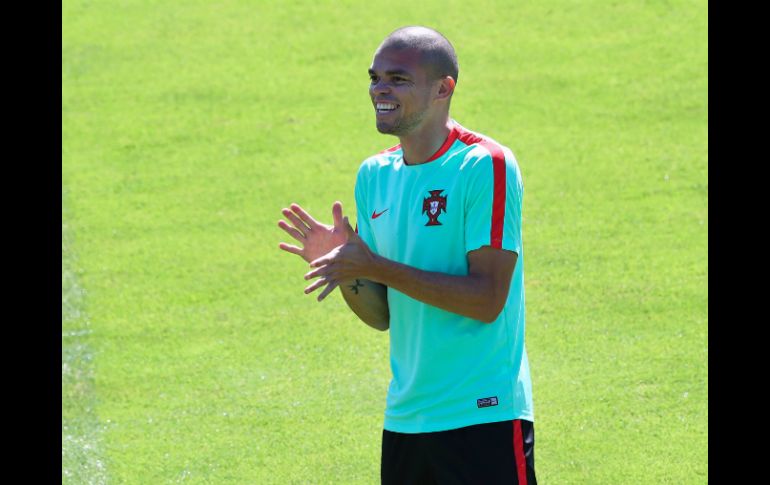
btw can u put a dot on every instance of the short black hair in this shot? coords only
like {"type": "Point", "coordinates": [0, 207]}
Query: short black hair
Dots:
{"type": "Point", "coordinates": [436, 50]}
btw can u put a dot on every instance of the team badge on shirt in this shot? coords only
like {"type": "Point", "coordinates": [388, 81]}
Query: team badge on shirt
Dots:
{"type": "Point", "coordinates": [433, 206]}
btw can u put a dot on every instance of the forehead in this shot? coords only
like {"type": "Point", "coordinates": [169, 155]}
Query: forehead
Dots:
{"type": "Point", "coordinates": [393, 59]}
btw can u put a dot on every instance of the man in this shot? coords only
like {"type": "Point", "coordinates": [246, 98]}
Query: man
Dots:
{"type": "Point", "coordinates": [436, 259]}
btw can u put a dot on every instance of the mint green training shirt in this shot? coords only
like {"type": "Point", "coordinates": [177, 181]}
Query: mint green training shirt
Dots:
{"type": "Point", "coordinates": [449, 371]}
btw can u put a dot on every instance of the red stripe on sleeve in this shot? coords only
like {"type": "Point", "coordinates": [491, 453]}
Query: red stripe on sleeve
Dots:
{"type": "Point", "coordinates": [498, 201]}
{"type": "Point", "coordinates": [498, 196]}
{"type": "Point", "coordinates": [518, 450]}
{"type": "Point", "coordinates": [467, 137]}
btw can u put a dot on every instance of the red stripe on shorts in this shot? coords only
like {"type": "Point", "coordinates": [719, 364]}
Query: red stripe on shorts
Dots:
{"type": "Point", "coordinates": [518, 450]}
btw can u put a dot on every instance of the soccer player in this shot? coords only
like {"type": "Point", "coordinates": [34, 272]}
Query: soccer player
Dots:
{"type": "Point", "coordinates": [437, 259]}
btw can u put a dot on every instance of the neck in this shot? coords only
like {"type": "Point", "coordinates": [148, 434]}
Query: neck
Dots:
{"type": "Point", "coordinates": [421, 144]}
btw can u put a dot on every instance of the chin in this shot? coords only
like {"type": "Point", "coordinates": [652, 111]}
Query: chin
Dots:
{"type": "Point", "coordinates": [386, 129]}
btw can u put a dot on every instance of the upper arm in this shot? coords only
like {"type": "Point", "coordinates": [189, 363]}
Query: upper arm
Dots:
{"type": "Point", "coordinates": [493, 222]}
{"type": "Point", "coordinates": [494, 270]}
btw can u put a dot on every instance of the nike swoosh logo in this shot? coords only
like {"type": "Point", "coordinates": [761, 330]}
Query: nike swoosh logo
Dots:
{"type": "Point", "coordinates": [375, 215]}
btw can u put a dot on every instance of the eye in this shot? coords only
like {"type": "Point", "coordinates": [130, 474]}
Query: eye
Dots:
{"type": "Point", "coordinates": [372, 78]}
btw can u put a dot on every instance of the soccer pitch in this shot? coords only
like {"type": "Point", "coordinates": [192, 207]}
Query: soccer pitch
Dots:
{"type": "Point", "coordinates": [190, 353]}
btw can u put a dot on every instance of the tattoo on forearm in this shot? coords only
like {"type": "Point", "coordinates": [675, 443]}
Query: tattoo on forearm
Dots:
{"type": "Point", "coordinates": [355, 287]}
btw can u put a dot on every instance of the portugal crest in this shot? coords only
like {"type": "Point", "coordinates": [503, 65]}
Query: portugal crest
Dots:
{"type": "Point", "coordinates": [433, 206]}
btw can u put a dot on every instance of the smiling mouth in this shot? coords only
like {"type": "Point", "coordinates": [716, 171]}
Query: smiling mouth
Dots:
{"type": "Point", "coordinates": [382, 108]}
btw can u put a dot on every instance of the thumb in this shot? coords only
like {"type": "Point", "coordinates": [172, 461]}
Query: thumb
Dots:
{"type": "Point", "coordinates": [337, 214]}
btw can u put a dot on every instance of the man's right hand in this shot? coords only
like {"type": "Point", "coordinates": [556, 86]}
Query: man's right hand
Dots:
{"type": "Point", "coordinates": [316, 238]}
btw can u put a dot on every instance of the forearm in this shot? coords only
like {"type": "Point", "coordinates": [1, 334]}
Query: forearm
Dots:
{"type": "Point", "coordinates": [470, 295]}
{"type": "Point", "coordinates": [368, 300]}
{"type": "Point", "coordinates": [481, 294]}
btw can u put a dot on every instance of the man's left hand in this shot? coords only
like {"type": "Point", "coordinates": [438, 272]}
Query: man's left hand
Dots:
{"type": "Point", "coordinates": [352, 260]}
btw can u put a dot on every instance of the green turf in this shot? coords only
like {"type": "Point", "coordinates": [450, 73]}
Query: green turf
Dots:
{"type": "Point", "coordinates": [82, 460]}
{"type": "Point", "coordinates": [187, 126]}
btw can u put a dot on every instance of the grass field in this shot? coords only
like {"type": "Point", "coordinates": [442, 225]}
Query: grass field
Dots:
{"type": "Point", "coordinates": [189, 352]}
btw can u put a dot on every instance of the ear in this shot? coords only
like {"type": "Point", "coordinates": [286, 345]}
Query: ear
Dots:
{"type": "Point", "coordinates": [446, 87]}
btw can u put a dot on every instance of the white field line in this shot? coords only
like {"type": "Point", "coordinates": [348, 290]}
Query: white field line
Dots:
{"type": "Point", "coordinates": [82, 461]}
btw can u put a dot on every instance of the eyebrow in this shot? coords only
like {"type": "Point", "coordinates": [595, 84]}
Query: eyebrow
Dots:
{"type": "Point", "coordinates": [394, 72]}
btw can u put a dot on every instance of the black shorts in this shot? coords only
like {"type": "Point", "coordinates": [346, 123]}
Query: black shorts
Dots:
{"type": "Point", "coordinates": [491, 453]}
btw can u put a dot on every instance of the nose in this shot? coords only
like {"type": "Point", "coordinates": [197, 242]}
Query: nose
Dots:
{"type": "Point", "coordinates": [379, 87]}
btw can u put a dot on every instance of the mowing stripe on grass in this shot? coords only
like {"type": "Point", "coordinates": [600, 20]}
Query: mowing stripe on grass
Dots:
{"type": "Point", "coordinates": [80, 435]}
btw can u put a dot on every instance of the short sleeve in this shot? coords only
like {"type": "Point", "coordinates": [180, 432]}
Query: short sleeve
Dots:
{"type": "Point", "coordinates": [493, 204]}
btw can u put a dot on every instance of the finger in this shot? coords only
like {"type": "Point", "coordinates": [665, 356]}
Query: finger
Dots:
{"type": "Point", "coordinates": [306, 218]}
{"type": "Point", "coordinates": [293, 232]}
{"type": "Point", "coordinates": [296, 221]}
{"type": "Point", "coordinates": [351, 232]}
{"type": "Point", "coordinates": [337, 214]}
{"type": "Point", "coordinates": [322, 261]}
{"type": "Point", "coordinates": [327, 290]}
{"type": "Point", "coordinates": [291, 249]}
{"type": "Point", "coordinates": [315, 285]}
{"type": "Point", "coordinates": [322, 271]}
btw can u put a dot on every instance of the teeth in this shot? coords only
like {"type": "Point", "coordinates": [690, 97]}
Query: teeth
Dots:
{"type": "Point", "coordinates": [386, 106]}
